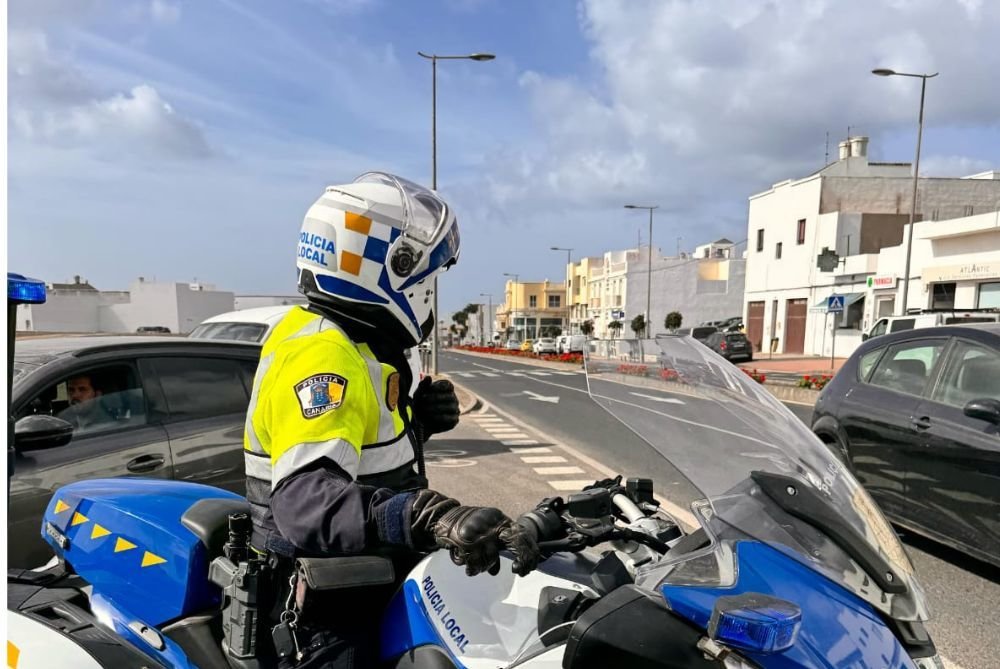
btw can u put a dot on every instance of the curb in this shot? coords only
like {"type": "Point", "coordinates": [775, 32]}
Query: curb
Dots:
{"type": "Point", "coordinates": [565, 366]}
{"type": "Point", "coordinates": [788, 393]}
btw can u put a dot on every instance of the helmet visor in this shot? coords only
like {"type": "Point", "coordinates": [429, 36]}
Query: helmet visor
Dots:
{"type": "Point", "coordinates": [424, 213]}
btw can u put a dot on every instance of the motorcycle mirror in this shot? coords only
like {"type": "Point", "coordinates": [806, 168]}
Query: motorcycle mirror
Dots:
{"type": "Point", "coordinates": [984, 409]}
{"type": "Point", "coordinates": [34, 433]}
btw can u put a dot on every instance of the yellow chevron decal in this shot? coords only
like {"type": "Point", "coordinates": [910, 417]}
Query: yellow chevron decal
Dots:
{"type": "Point", "coordinates": [61, 506]}
{"type": "Point", "coordinates": [13, 655]}
{"type": "Point", "coordinates": [149, 559]}
{"type": "Point", "coordinates": [99, 532]}
{"type": "Point", "coordinates": [123, 545]}
{"type": "Point", "coordinates": [78, 519]}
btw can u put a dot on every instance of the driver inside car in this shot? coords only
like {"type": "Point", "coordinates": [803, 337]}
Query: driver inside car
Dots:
{"type": "Point", "coordinates": [333, 444]}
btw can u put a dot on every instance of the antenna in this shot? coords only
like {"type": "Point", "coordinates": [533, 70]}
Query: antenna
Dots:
{"type": "Point", "coordinates": [826, 156]}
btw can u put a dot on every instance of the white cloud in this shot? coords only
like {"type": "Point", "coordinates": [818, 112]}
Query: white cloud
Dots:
{"type": "Point", "coordinates": [953, 166]}
{"type": "Point", "coordinates": [700, 102]}
{"type": "Point", "coordinates": [164, 12]}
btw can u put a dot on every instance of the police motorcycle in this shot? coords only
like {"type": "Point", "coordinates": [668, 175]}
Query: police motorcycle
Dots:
{"type": "Point", "coordinates": [745, 545]}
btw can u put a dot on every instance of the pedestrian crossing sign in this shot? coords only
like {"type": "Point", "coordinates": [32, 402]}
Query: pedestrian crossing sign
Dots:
{"type": "Point", "coordinates": [835, 304]}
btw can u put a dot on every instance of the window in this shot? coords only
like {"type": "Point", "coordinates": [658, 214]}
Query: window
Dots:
{"type": "Point", "coordinates": [972, 373]}
{"type": "Point", "coordinates": [94, 400]}
{"type": "Point", "coordinates": [800, 235]}
{"type": "Point", "coordinates": [901, 324]}
{"type": "Point", "coordinates": [532, 301]}
{"type": "Point", "coordinates": [989, 296]}
{"type": "Point", "coordinates": [868, 360]}
{"type": "Point", "coordinates": [943, 296]}
{"type": "Point", "coordinates": [907, 367]}
{"type": "Point", "coordinates": [199, 387]}
{"type": "Point", "coordinates": [760, 240]}
{"type": "Point", "coordinates": [777, 251]}
{"type": "Point", "coordinates": [554, 302]}
{"type": "Point", "coordinates": [879, 328]}
{"type": "Point", "coordinates": [854, 314]}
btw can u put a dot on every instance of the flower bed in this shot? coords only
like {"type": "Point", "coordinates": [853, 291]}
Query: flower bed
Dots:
{"type": "Point", "coordinates": [633, 370]}
{"type": "Point", "coordinates": [759, 377]}
{"type": "Point", "coordinates": [571, 358]}
{"type": "Point", "coordinates": [816, 382]}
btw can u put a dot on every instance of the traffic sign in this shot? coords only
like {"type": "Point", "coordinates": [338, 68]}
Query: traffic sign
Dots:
{"type": "Point", "coordinates": [618, 314]}
{"type": "Point", "coordinates": [834, 304]}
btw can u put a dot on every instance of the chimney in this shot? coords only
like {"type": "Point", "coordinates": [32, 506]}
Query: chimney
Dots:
{"type": "Point", "coordinates": [859, 147]}
{"type": "Point", "coordinates": [845, 149]}
{"type": "Point", "coordinates": [142, 279]}
{"type": "Point", "coordinates": [76, 279]}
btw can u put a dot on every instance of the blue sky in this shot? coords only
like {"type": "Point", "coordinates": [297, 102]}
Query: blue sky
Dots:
{"type": "Point", "coordinates": [183, 140]}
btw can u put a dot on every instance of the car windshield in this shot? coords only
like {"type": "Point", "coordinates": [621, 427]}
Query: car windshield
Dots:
{"type": "Point", "coordinates": [251, 332]}
{"type": "Point", "coordinates": [727, 453]}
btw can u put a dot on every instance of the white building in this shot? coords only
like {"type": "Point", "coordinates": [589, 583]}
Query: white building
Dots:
{"type": "Point", "coordinates": [81, 308]}
{"type": "Point", "coordinates": [860, 211]}
{"type": "Point", "coordinates": [705, 286]}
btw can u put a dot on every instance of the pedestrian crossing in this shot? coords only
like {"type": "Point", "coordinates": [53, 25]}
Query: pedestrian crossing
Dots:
{"type": "Point", "coordinates": [479, 374]}
{"type": "Point", "coordinates": [546, 461]}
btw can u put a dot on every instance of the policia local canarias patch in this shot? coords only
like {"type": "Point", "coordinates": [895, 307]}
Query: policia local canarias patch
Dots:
{"type": "Point", "coordinates": [320, 393]}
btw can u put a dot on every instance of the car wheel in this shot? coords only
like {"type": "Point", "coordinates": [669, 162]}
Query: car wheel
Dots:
{"type": "Point", "coordinates": [838, 449]}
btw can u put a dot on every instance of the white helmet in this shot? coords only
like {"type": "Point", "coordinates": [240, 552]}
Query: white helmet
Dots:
{"type": "Point", "coordinates": [369, 251]}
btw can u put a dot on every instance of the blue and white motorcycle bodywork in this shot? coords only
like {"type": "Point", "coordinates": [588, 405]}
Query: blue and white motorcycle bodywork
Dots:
{"type": "Point", "coordinates": [763, 552]}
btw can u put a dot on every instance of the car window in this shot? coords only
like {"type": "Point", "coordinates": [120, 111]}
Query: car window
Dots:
{"type": "Point", "coordinates": [199, 387]}
{"type": "Point", "coordinates": [901, 324]}
{"type": "Point", "coordinates": [94, 400]}
{"type": "Point", "coordinates": [879, 328]}
{"type": "Point", "coordinates": [867, 361]}
{"type": "Point", "coordinates": [906, 367]}
{"type": "Point", "coordinates": [973, 372]}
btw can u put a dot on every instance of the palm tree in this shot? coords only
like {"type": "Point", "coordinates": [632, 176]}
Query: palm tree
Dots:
{"type": "Point", "coordinates": [638, 325]}
{"type": "Point", "coordinates": [674, 320]}
{"type": "Point", "coordinates": [587, 327]}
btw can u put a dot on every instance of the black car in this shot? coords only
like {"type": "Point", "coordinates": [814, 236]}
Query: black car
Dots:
{"type": "Point", "coordinates": [140, 406]}
{"type": "Point", "coordinates": [152, 329]}
{"type": "Point", "coordinates": [703, 332]}
{"type": "Point", "coordinates": [916, 415]}
{"type": "Point", "coordinates": [730, 345]}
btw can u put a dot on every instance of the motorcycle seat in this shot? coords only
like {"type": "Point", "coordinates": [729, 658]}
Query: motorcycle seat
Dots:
{"type": "Point", "coordinates": [208, 519]}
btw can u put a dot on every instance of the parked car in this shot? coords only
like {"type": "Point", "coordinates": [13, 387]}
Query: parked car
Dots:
{"type": "Point", "coordinates": [527, 345]}
{"type": "Point", "coordinates": [152, 329]}
{"type": "Point", "coordinates": [244, 325]}
{"type": "Point", "coordinates": [513, 345]}
{"type": "Point", "coordinates": [730, 345]}
{"type": "Point", "coordinates": [916, 415]}
{"type": "Point", "coordinates": [929, 319]}
{"type": "Point", "coordinates": [168, 408]}
{"type": "Point", "coordinates": [702, 332]}
{"type": "Point", "coordinates": [253, 325]}
{"type": "Point", "coordinates": [545, 345]}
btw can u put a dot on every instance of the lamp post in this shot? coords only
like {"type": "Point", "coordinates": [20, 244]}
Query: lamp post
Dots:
{"type": "Point", "coordinates": [434, 58]}
{"type": "Point", "coordinates": [513, 300]}
{"type": "Point", "coordinates": [569, 285]}
{"type": "Point", "coordinates": [489, 312]}
{"type": "Point", "coordinates": [885, 72]}
{"type": "Point", "coordinates": [649, 263]}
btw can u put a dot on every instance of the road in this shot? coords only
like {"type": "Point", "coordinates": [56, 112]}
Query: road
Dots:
{"type": "Point", "coordinates": [542, 434]}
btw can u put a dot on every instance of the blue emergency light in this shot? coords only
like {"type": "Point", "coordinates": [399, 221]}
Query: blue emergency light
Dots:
{"type": "Point", "coordinates": [755, 622]}
{"type": "Point", "coordinates": [22, 290]}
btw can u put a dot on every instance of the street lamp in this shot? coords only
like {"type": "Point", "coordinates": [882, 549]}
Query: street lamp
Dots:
{"type": "Point", "coordinates": [886, 72]}
{"type": "Point", "coordinates": [569, 284]}
{"type": "Point", "coordinates": [513, 299]}
{"type": "Point", "coordinates": [649, 263]}
{"type": "Point", "coordinates": [489, 312]}
{"type": "Point", "coordinates": [434, 58]}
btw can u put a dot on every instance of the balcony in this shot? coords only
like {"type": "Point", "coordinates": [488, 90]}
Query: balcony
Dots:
{"type": "Point", "coordinates": [866, 263]}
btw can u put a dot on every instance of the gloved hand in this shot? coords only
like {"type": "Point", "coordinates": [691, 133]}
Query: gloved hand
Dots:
{"type": "Point", "coordinates": [435, 406]}
{"type": "Point", "coordinates": [424, 512]}
{"type": "Point", "coordinates": [474, 535]}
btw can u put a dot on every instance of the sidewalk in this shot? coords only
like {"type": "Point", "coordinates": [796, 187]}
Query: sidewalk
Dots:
{"type": "Point", "coordinates": [786, 365]}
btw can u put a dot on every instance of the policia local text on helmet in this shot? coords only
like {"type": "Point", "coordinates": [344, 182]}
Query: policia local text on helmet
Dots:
{"type": "Point", "coordinates": [333, 444]}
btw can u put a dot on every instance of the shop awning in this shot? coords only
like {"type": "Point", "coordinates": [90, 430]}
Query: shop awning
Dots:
{"type": "Point", "coordinates": [849, 299]}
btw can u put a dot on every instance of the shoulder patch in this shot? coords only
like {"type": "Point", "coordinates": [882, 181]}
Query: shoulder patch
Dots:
{"type": "Point", "coordinates": [320, 393]}
{"type": "Point", "coordinates": [392, 391]}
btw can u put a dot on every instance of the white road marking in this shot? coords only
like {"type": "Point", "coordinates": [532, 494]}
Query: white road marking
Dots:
{"type": "Point", "coordinates": [666, 400]}
{"type": "Point", "coordinates": [524, 451]}
{"type": "Point", "coordinates": [542, 459]}
{"type": "Point", "coordinates": [558, 471]}
{"type": "Point", "coordinates": [500, 427]}
{"type": "Point", "coordinates": [490, 374]}
{"type": "Point", "coordinates": [489, 421]}
{"type": "Point", "coordinates": [552, 399]}
{"type": "Point", "coordinates": [466, 375]}
{"type": "Point", "coordinates": [570, 485]}
{"type": "Point", "coordinates": [540, 373]}
{"type": "Point", "coordinates": [518, 442]}
{"type": "Point", "coordinates": [517, 373]}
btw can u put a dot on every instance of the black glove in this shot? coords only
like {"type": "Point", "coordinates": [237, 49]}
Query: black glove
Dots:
{"type": "Point", "coordinates": [424, 512]}
{"type": "Point", "coordinates": [474, 535]}
{"type": "Point", "coordinates": [435, 406]}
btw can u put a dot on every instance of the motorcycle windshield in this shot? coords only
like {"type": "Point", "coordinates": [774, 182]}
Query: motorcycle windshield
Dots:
{"type": "Point", "coordinates": [734, 464]}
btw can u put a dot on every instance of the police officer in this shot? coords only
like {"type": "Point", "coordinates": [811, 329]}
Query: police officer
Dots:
{"type": "Point", "coordinates": [333, 444]}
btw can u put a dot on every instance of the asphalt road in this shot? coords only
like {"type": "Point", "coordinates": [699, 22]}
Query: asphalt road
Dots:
{"type": "Point", "coordinates": [530, 445]}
